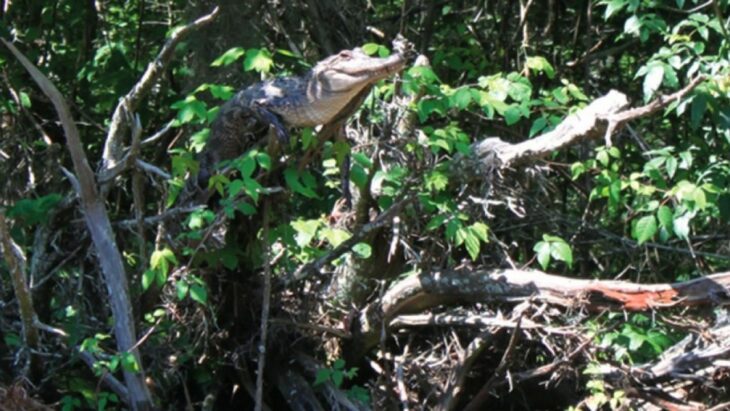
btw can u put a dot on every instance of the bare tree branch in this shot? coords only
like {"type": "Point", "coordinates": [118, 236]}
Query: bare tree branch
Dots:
{"type": "Point", "coordinates": [601, 118]}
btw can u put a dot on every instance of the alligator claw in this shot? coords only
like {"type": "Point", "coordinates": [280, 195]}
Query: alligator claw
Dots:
{"type": "Point", "coordinates": [403, 46]}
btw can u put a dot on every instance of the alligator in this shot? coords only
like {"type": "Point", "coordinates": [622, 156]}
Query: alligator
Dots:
{"type": "Point", "coordinates": [328, 94]}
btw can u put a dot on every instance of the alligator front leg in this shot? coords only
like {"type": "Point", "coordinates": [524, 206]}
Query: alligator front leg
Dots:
{"type": "Point", "coordinates": [273, 120]}
{"type": "Point", "coordinates": [345, 171]}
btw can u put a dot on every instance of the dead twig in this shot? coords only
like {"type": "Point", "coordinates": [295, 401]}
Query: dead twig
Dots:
{"type": "Point", "coordinates": [482, 396]}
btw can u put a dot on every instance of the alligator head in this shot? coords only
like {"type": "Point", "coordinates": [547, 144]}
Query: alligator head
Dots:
{"type": "Point", "coordinates": [338, 80]}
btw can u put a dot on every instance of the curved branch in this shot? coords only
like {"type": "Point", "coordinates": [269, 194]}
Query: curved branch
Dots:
{"type": "Point", "coordinates": [113, 146]}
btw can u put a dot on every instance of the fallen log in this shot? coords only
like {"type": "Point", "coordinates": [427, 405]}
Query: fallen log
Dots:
{"type": "Point", "coordinates": [422, 291]}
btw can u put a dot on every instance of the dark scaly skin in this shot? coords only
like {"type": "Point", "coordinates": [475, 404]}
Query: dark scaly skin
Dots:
{"type": "Point", "coordinates": [330, 92]}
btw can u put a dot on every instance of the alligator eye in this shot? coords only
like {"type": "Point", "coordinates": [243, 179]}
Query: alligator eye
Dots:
{"type": "Point", "coordinates": [345, 54]}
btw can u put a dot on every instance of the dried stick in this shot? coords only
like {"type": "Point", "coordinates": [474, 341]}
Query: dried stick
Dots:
{"type": "Point", "coordinates": [265, 308]}
{"type": "Point", "coordinates": [16, 262]}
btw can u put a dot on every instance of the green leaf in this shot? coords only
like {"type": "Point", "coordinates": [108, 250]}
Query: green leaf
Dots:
{"type": "Point", "coordinates": [681, 226]}
{"type": "Point", "coordinates": [221, 92]}
{"type": "Point", "coordinates": [560, 250]}
{"type": "Point", "coordinates": [253, 188]}
{"type": "Point", "coordinates": [161, 257]}
{"type": "Point", "coordinates": [436, 180]}
{"type": "Point", "coordinates": [538, 125]}
{"type": "Point", "coordinates": [147, 278]}
{"type": "Point", "coordinates": [34, 211]}
{"type": "Point", "coordinates": [228, 57]}
{"type": "Point", "coordinates": [197, 143]}
{"type": "Point", "coordinates": [322, 376]}
{"type": "Point", "coordinates": [461, 98]}
{"type": "Point", "coordinates": [542, 249]}
{"type": "Point", "coordinates": [363, 160]}
{"type": "Point", "coordinates": [645, 229]}
{"type": "Point", "coordinates": [246, 166]}
{"type": "Point", "coordinates": [292, 178]}
{"type": "Point", "coordinates": [363, 250]}
{"type": "Point", "coordinates": [671, 166]}
{"type": "Point", "coordinates": [334, 236]}
{"type": "Point", "coordinates": [182, 287]}
{"type": "Point", "coordinates": [190, 109]}
{"type": "Point", "coordinates": [653, 80]}
{"type": "Point", "coordinates": [358, 176]}
{"type": "Point", "coordinates": [512, 115]}
{"type": "Point", "coordinates": [338, 378]}
{"type": "Point", "coordinates": [228, 258]}
{"type": "Point", "coordinates": [129, 363]}
{"type": "Point", "coordinates": [613, 7]}
{"type": "Point", "coordinates": [665, 216]}
{"type": "Point", "coordinates": [235, 187]}
{"type": "Point", "coordinates": [577, 169]}
{"type": "Point", "coordinates": [560, 96]}
{"type": "Point", "coordinates": [259, 60]}
{"type": "Point", "coordinates": [114, 362]}
{"type": "Point", "coordinates": [480, 230]}
{"type": "Point", "coordinates": [614, 152]}
{"type": "Point", "coordinates": [698, 108]}
{"type": "Point", "coordinates": [452, 226]}
{"type": "Point", "coordinates": [308, 138]}
{"type": "Point", "coordinates": [471, 242]}
{"type": "Point", "coordinates": [199, 294]}
{"type": "Point", "coordinates": [540, 64]}
{"type": "Point", "coordinates": [632, 25]}
{"type": "Point", "coordinates": [435, 222]}
{"type": "Point", "coordinates": [370, 48]}
{"type": "Point", "coordinates": [306, 230]}
{"type": "Point", "coordinates": [636, 340]}
{"type": "Point", "coordinates": [264, 160]}
{"type": "Point", "coordinates": [603, 158]}
{"type": "Point", "coordinates": [24, 99]}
